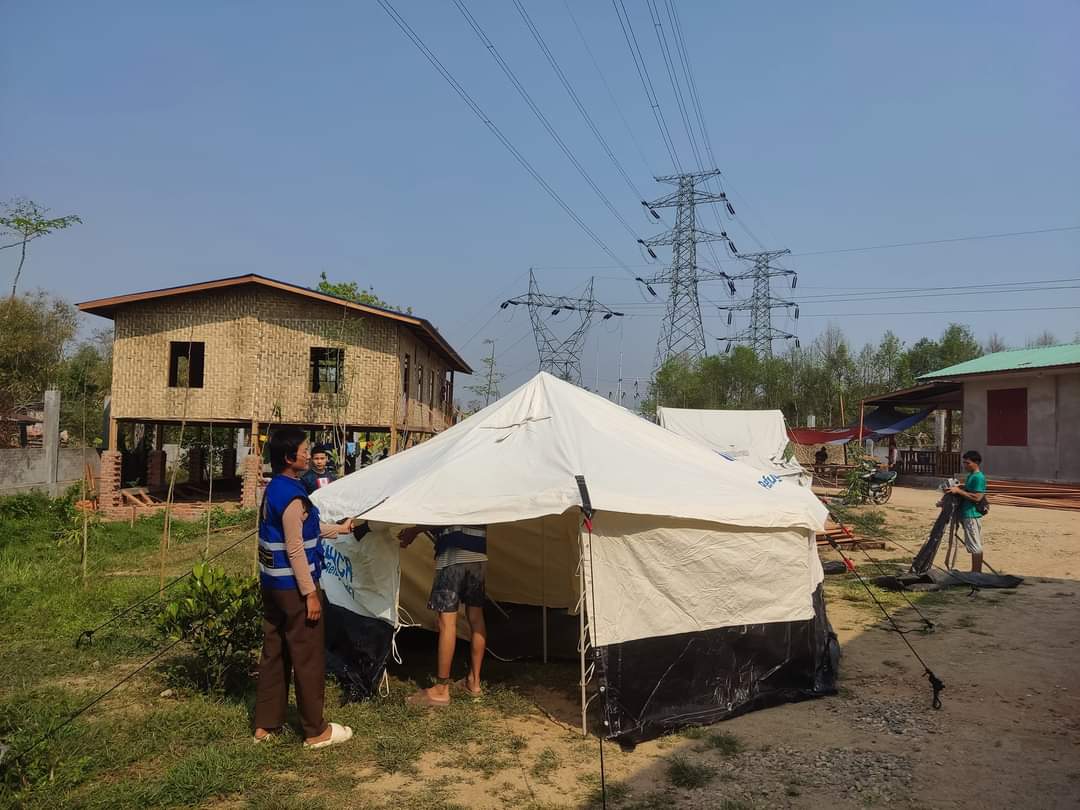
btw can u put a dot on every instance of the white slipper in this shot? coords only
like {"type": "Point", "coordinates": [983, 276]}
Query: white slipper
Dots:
{"type": "Point", "coordinates": [338, 734]}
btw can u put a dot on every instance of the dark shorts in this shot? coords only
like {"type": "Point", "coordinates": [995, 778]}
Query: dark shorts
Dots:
{"type": "Point", "coordinates": [457, 584]}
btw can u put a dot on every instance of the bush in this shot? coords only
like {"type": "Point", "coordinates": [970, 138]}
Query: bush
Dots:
{"type": "Point", "coordinates": [219, 615]}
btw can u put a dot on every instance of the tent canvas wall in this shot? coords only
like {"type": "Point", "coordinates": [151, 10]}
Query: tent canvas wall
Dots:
{"type": "Point", "coordinates": [758, 438]}
{"type": "Point", "coordinates": [696, 585]}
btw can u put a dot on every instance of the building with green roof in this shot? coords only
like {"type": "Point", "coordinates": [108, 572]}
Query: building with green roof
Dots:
{"type": "Point", "coordinates": [1021, 411]}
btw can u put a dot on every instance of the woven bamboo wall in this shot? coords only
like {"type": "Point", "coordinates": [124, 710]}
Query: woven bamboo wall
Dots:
{"type": "Point", "coordinates": [257, 356]}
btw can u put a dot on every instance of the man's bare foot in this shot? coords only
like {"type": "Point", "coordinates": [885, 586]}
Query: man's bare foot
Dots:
{"type": "Point", "coordinates": [438, 695]}
{"type": "Point", "coordinates": [471, 685]}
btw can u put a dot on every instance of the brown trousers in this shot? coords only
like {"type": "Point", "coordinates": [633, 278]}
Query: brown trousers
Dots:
{"type": "Point", "coordinates": [290, 644]}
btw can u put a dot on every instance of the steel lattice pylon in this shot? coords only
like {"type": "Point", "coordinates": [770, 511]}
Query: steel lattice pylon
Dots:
{"type": "Point", "coordinates": [560, 356]}
{"type": "Point", "coordinates": [760, 334]}
{"type": "Point", "coordinates": [681, 331]}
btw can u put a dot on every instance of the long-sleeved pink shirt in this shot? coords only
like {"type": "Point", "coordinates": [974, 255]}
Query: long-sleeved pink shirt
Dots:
{"type": "Point", "coordinates": [292, 521]}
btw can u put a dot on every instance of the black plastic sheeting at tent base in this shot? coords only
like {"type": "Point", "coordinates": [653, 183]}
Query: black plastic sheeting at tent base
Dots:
{"type": "Point", "coordinates": [357, 648]}
{"type": "Point", "coordinates": [937, 579]}
{"type": "Point", "coordinates": [654, 686]}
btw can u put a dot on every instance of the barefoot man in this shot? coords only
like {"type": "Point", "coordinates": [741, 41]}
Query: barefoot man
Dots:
{"type": "Point", "coordinates": [460, 571]}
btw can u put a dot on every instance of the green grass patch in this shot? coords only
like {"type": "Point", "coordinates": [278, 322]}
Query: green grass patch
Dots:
{"type": "Point", "coordinates": [547, 762]}
{"type": "Point", "coordinates": [725, 744]}
{"type": "Point", "coordinates": [683, 773]}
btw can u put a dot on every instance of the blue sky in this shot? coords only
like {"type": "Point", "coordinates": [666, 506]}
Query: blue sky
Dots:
{"type": "Point", "coordinates": [198, 140]}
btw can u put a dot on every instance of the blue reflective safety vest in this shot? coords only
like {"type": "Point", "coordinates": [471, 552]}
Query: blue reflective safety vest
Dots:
{"type": "Point", "coordinates": [274, 569]}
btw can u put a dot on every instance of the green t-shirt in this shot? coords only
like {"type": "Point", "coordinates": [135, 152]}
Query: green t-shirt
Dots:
{"type": "Point", "coordinates": [976, 482]}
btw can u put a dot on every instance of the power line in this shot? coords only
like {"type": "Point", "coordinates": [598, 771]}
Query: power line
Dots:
{"type": "Point", "coordinates": [646, 80]}
{"type": "Point", "coordinates": [942, 241]}
{"type": "Point", "coordinates": [502, 63]}
{"type": "Point", "coordinates": [1002, 235]}
{"type": "Point", "coordinates": [611, 94]}
{"type": "Point", "coordinates": [577, 101]}
{"type": "Point", "coordinates": [479, 113]}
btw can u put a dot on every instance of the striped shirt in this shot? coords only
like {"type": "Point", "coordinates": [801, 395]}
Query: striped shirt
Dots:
{"type": "Point", "coordinates": [450, 541]}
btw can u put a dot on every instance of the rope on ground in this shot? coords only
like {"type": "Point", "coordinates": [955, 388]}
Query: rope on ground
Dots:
{"type": "Point", "coordinates": [87, 636]}
{"type": "Point", "coordinates": [935, 682]}
{"type": "Point", "coordinates": [929, 624]}
{"type": "Point", "coordinates": [86, 707]}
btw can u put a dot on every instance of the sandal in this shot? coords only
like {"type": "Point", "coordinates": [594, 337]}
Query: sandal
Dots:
{"type": "Point", "coordinates": [338, 734]}
{"type": "Point", "coordinates": [463, 685]}
{"type": "Point", "coordinates": [270, 736]}
{"type": "Point", "coordinates": [426, 701]}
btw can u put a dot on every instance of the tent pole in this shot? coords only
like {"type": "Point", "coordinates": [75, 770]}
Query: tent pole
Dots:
{"type": "Point", "coordinates": [581, 629]}
{"type": "Point", "coordinates": [543, 585]}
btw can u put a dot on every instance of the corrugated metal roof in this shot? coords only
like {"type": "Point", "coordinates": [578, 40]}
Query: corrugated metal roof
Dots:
{"type": "Point", "coordinates": [1012, 360]}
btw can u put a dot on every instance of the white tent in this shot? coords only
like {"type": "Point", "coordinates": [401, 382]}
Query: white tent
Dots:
{"type": "Point", "coordinates": [757, 438]}
{"type": "Point", "coordinates": [684, 543]}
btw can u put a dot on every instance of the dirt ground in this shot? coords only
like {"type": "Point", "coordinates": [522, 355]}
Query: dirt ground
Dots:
{"type": "Point", "coordinates": [1007, 736]}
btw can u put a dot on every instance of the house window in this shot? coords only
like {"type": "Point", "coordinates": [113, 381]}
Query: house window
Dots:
{"type": "Point", "coordinates": [186, 361]}
{"type": "Point", "coordinates": [327, 367]}
{"type": "Point", "coordinates": [420, 383]}
{"type": "Point", "coordinates": [405, 377]}
{"type": "Point", "coordinates": [431, 388]}
{"type": "Point", "coordinates": [1006, 417]}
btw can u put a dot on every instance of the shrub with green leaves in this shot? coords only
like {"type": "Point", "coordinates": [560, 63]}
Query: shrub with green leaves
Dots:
{"type": "Point", "coordinates": [219, 615]}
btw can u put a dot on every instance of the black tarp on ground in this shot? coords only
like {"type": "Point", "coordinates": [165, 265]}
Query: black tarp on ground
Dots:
{"type": "Point", "coordinates": [653, 686]}
{"type": "Point", "coordinates": [357, 648]}
{"type": "Point", "coordinates": [937, 578]}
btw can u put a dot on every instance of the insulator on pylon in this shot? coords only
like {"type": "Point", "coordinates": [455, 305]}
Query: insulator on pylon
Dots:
{"type": "Point", "coordinates": [729, 317]}
{"type": "Point", "coordinates": [727, 349]}
{"type": "Point", "coordinates": [794, 280]}
{"type": "Point", "coordinates": [731, 245]}
{"type": "Point", "coordinates": [731, 287]}
{"type": "Point", "coordinates": [654, 213]}
{"type": "Point", "coordinates": [504, 305]}
{"type": "Point", "coordinates": [731, 209]}
{"type": "Point", "coordinates": [796, 312]}
{"type": "Point", "coordinates": [797, 346]}
{"type": "Point", "coordinates": [651, 252]}
{"type": "Point", "coordinates": [607, 315]}
{"type": "Point", "coordinates": [555, 312]}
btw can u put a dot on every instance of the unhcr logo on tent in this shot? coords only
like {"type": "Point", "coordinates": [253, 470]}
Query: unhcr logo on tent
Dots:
{"type": "Point", "coordinates": [337, 564]}
{"type": "Point", "coordinates": [768, 481]}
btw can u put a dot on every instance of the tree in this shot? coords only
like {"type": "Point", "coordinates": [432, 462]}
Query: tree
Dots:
{"type": "Point", "coordinates": [995, 343]}
{"type": "Point", "coordinates": [488, 389]}
{"type": "Point", "coordinates": [27, 221]}
{"type": "Point", "coordinates": [958, 345]}
{"type": "Point", "coordinates": [351, 291]}
{"type": "Point", "coordinates": [84, 379]}
{"type": "Point", "coordinates": [35, 330]}
{"type": "Point", "coordinates": [1045, 339]}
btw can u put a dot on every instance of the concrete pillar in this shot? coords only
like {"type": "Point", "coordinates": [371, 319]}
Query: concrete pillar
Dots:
{"type": "Point", "coordinates": [50, 436]}
{"type": "Point", "coordinates": [939, 430]}
{"type": "Point", "coordinates": [156, 477]}
{"type": "Point", "coordinates": [249, 486]}
{"type": "Point", "coordinates": [109, 481]}
{"type": "Point", "coordinates": [195, 458]}
{"type": "Point", "coordinates": [228, 463]}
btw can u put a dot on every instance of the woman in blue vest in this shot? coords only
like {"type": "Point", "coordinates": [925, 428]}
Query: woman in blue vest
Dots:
{"type": "Point", "coordinates": [290, 561]}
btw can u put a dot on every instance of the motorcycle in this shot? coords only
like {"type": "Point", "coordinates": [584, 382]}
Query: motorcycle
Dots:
{"type": "Point", "coordinates": [873, 484]}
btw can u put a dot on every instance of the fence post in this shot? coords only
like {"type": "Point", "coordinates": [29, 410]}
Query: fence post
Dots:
{"type": "Point", "coordinates": [51, 440]}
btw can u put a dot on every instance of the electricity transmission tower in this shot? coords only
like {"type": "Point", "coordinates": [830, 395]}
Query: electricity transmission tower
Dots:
{"type": "Point", "coordinates": [681, 332]}
{"type": "Point", "coordinates": [560, 356]}
{"type": "Point", "coordinates": [760, 334]}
